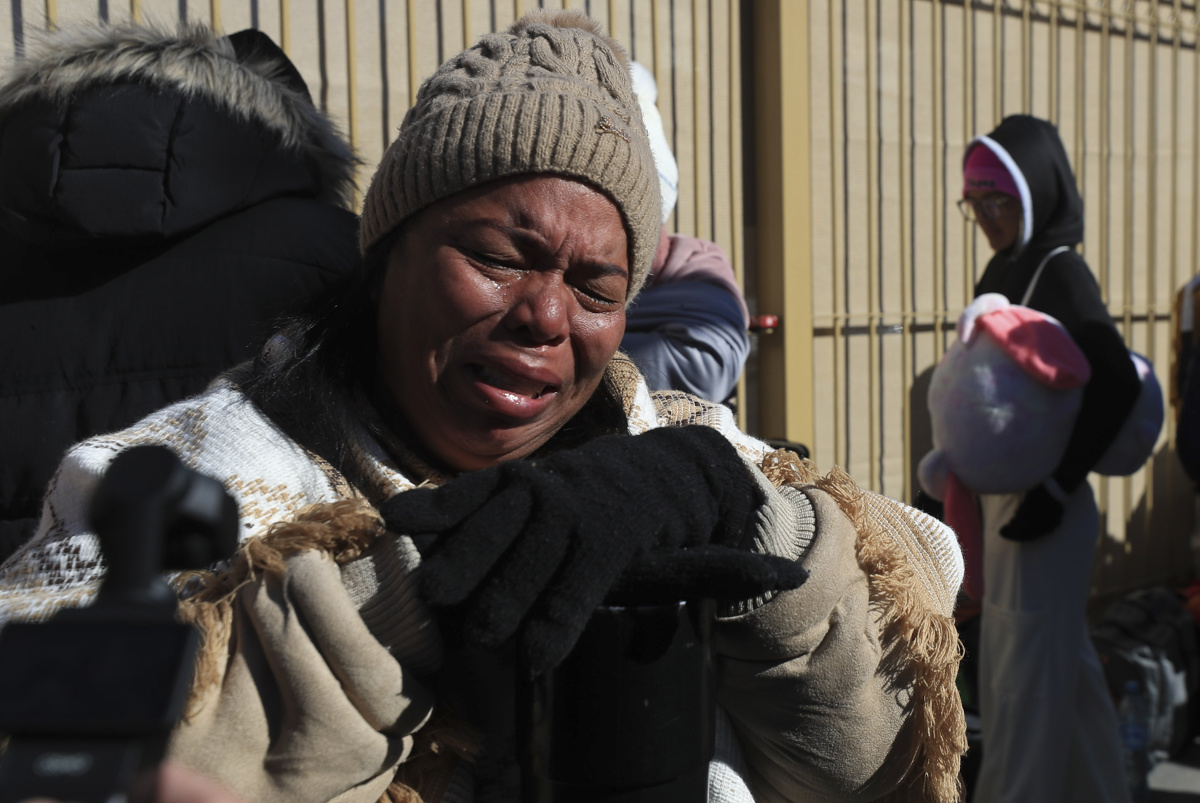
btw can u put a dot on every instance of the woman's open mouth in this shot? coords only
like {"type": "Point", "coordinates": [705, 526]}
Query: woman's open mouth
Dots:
{"type": "Point", "coordinates": [512, 394]}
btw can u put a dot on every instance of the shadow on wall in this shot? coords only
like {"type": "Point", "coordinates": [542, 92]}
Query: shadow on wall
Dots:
{"type": "Point", "coordinates": [1156, 548]}
{"type": "Point", "coordinates": [921, 429]}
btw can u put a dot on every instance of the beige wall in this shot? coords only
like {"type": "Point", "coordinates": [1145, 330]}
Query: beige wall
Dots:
{"type": "Point", "coordinates": [897, 90]}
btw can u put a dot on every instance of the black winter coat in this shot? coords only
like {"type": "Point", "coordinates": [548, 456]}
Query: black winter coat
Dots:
{"type": "Point", "coordinates": [162, 200]}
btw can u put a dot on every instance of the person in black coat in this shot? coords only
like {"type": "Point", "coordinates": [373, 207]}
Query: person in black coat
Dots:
{"type": "Point", "coordinates": [1049, 727]}
{"type": "Point", "coordinates": [1050, 226]}
{"type": "Point", "coordinates": [163, 198]}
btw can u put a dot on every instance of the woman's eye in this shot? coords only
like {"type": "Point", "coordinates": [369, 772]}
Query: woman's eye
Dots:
{"type": "Point", "coordinates": [605, 293]}
{"type": "Point", "coordinates": [596, 296]}
{"type": "Point", "coordinates": [491, 259]}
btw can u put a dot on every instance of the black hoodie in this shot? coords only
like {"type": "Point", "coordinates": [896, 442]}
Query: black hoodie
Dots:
{"type": "Point", "coordinates": [1066, 289]}
{"type": "Point", "coordinates": [162, 198]}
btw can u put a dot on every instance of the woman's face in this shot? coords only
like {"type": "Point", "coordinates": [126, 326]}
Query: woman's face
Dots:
{"type": "Point", "coordinates": [998, 215]}
{"type": "Point", "coordinates": [499, 311]}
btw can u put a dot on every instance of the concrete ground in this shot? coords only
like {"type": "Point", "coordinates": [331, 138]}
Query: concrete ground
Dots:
{"type": "Point", "coordinates": [1178, 781]}
{"type": "Point", "coordinates": [1175, 781]}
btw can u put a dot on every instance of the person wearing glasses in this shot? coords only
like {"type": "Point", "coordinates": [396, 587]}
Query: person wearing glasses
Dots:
{"type": "Point", "coordinates": [1049, 727]}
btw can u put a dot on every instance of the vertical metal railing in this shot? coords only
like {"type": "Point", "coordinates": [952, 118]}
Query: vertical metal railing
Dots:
{"type": "Point", "coordinates": [907, 353]}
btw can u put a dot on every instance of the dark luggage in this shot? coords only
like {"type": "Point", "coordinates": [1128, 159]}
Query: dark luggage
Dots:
{"type": "Point", "coordinates": [1149, 636]}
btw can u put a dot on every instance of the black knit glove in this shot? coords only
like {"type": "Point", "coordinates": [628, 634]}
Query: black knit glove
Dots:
{"type": "Point", "coordinates": [531, 547]}
{"type": "Point", "coordinates": [1039, 514]}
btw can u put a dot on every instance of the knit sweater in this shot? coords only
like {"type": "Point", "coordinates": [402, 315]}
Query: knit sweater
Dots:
{"type": "Point", "coordinates": [318, 647]}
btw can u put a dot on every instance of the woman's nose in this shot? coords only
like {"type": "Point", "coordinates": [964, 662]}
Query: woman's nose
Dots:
{"type": "Point", "coordinates": [539, 309]}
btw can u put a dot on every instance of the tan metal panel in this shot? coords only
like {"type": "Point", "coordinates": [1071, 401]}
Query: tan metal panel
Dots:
{"type": "Point", "coordinates": [908, 411]}
{"type": "Point", "coordinates": [722, 113]}
{"type": "Point", "coordinates": [619, 23]}
{"type": "Point", "coordinates": [924, 207]}
{"type": "Point", "coordinates": [450, 28]}
{"type": "Point", "coordinates": [60, 13]}
{"type": "Point", "coordinates": [12, 33]}
{"type": "Point", "coordinates": [477, 20]}
{"type": "Point", "coordinates": [505, 12]}
{"type": "Point", "coordinates": [873, 409]}
{"type": "Point", "coordinates": [782, 247]}
{"type": "Point", "coordinates": [734, 190]}
{"type": "Point", "coordinates": [352, 89]}
{"type": "Point", "coordinates": [423, 40]}
{"type": "Point", "coordinates": [894, 371]}
{"type": "Point", "coordinates": [376, 71]}
{"type": "Point", "coordinates": [674, 68]}
{"type": "Point", "coordinates": [826, 143]}
{"type": "Point", "coordinates": [366, 37]}
{"type": "Point", "coordinates": [963, 122]}
{"type": "Point", "coordinates": [304, 48]}
{"type": "Point", "coordinates": [638, 20]}
{"type": "Point", "coordinates": [268, 19]}
{"type": "Point", "coordinates": [164, 13]}
{"type": "Point", "coordinates": [234, 16]}
{"type": "Point", "coordinates": [697, 41]}
{"type": "Point", "coordinates": [285, 25]}
{"type": "Point", "coordinates": [332, 57]}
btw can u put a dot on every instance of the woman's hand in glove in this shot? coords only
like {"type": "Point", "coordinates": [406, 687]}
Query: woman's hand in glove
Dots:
{"type": "Point", "coordinates": [531, 547]}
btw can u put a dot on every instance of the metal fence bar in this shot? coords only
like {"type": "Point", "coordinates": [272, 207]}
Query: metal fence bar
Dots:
{"type": "Point", "coordinates": [874, 302]}
{"type": "Point", "coordinates": [1151, 275]}
{"type": "Point", "coordinates": [734, 155]}
{"type": "Point", "coordinates": [938, 137]}
{"type": "Point", "coordinates": [839, 368]}
{"type": "Point", "coordinates": [971, 130]}
{"type": "Point", "coordinates": [285, 25]}
{"type": "Point", "coordinates": [1026, 49]}
{"type": "Point", "coordinates": [908, 348]}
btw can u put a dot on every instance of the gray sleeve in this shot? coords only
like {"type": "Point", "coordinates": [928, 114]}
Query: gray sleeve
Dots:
{"type": "Point", "coordinates": [688, 336]}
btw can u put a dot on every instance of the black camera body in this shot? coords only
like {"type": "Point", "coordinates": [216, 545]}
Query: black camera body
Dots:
{"type": "Point", "coordinates": [629, 716]}
{"type": "Point", "coordinates": [89, 697]}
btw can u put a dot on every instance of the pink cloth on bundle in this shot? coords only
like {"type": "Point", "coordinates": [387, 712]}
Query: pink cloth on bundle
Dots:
{"type": "Point", "coordinates": [1040, 346]}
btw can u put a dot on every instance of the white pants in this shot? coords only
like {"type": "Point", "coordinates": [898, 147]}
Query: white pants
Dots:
{"type": "Point", "coordinates": [1049, 727]}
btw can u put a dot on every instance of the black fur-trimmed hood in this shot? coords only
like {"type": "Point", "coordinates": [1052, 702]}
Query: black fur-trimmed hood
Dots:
{"type": "Point", "coordinates": [144, 70]}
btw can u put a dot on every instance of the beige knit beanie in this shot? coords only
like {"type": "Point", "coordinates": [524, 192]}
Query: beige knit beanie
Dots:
{"type": "Point", "coordinates": [552, 94]}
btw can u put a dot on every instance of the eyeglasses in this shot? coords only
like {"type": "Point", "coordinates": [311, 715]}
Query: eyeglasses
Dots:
{"type": "Point", "coordinates": [987, 208]}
